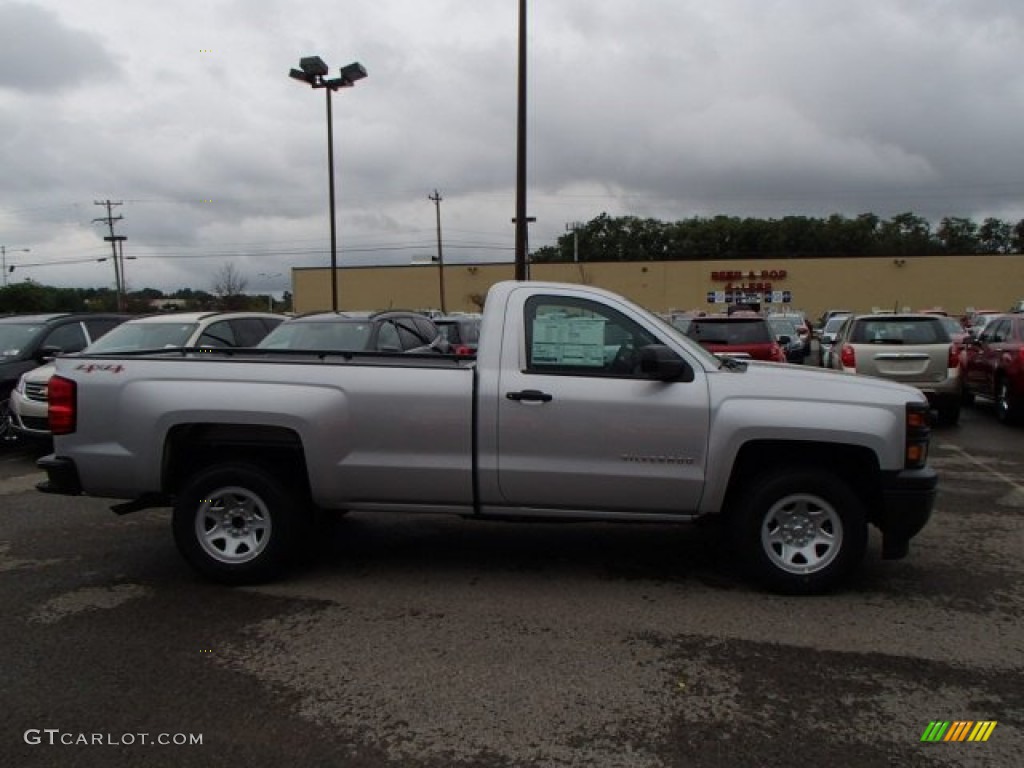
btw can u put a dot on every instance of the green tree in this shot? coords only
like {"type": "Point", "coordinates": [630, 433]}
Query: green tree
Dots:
{"type": "Point", "coordinates": [995, 236]}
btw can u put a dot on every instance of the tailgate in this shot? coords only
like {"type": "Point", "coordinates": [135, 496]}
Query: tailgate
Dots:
{"type": "Point", "coordinates": [900, 363]}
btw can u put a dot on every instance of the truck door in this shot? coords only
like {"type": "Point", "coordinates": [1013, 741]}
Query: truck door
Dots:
{"type": "Point", "coordinates": [581, 427]}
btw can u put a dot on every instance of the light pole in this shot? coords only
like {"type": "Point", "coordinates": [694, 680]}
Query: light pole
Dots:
{"type": "Point", "coordinates": [522, 250]}
{"type": "Point", "coordinates": [270, 276]}
{"type": "Point", "coordinates": [3, 254]}
{"type": "Point", "coordinates": [436, 200]}
{"type": "Point", "coordinates": [313, 70]}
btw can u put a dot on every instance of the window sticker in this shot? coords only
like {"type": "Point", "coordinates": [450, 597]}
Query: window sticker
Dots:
{"type": "Point", "coordinates": [574, 341]}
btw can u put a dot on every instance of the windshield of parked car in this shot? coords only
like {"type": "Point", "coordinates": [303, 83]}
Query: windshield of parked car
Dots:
{"type": "Point", "coordinates": [14, 337]}
{"type": "Point", "coordinates": [891, 330]}
{"type": "Point", "coordinates": [132, 337]}
{"type": "Point", "coordinates": [729, 332]}
{"type": "Point", "coordinates": [952, 325]}
{"type": "Point", "coordinates": [783, 326]}
{"type": "Point", "coordinates": [337, 334]}
{"type": "Point", "coordinates": [459, 331]}
{"type": "Point", "coordinates": [834, 323]}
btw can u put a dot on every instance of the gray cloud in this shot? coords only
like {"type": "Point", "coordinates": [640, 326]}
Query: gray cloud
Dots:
{"type": "Point", "coordinates": [666, 108]}
{"type": "Point", "coordinates": [41, 54]}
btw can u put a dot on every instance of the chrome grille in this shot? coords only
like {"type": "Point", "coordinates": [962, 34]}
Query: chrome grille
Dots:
{"type": "Point", "coordinates": [35, 391]}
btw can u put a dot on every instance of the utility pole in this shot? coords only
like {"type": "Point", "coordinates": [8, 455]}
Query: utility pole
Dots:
{"type": "Point", "coordinates": [575, 227]}
{"type": "Point", "coordinates": [113, 240]}
{"type": "Point", "coordinates": [436, 200]}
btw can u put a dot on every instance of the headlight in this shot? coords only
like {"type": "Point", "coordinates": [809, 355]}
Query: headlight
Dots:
{"type": "Point", "coordinates": [20, 389]}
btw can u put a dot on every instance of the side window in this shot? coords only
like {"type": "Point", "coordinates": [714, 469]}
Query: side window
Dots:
{"type": "Point", "coordinates": [578, 336]}
{"type": "Point", "coordinates": [999, 331]}
{"type": "Point", "coordinates": [218, 335]}
{"type": "Point", "coordinates": [70, 338]}
{"type": "Point", "coordinates": [426, 329]}
{"type": "Point", "coordinates": [387, 338]}
{"type": "Point", "coordinates": [97, 327]}
{"type": "Point", "coordinates": [248, 331]}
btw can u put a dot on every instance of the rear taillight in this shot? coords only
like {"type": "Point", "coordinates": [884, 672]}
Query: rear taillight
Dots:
{"type": "Point", "coordinates": [848, 357]}
{"type": "Point", "coordinates": [954, 356]}
{"type": "Point", "coordinates": [461, 350]}
{"type": "Point", "coordinates": [918, 433]}
{"type": "Point", "coordinates": [62, 396]}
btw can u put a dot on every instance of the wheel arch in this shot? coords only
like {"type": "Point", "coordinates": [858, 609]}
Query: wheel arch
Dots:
{"type": "Point", "coordinates": [856, 466]}
{"type": "Point", "coordinates": [190, 448]}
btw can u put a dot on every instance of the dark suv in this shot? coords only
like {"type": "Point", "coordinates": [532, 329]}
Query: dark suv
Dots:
{"type": "Point", "coordinates": [387, 331]}
{"type": "Point", "coordinates": [28, 341]}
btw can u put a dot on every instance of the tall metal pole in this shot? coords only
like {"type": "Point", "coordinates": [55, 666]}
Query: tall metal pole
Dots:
{"type": "Point", "coordinates": [520, 220]}
{"type": "Point", "coordinates": [436, 198]}
{"type": "Point", "coordinates": [334, 231]}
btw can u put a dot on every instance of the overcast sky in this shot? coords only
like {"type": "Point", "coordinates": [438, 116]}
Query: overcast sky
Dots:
{"type": "Point", "coordinates": [184, 111]}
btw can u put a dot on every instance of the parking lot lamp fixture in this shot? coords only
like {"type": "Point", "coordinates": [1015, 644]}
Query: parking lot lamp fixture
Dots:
{"type": "Point", "coordinates": [313, 70]}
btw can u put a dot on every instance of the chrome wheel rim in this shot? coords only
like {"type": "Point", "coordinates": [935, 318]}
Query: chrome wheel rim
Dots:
{"type": "Point", "coordinates": [802, 533]}
{"type": "Point", "coordinates": [233, 525]}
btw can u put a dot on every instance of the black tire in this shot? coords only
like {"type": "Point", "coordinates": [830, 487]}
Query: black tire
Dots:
{"type": "Point", "coordinates": [236, 523]}
{"type": "Point", "coordinates": [8, 434]}
{"type": "Point", "coordinates": [811, 508]}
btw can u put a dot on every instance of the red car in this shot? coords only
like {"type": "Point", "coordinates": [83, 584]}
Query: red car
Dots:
{"type": "Point", "coordinates": [737, 335]}
{"type": "Point", "coordinates": [992, 365]}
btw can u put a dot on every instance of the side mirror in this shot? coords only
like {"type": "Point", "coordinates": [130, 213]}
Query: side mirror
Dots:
{"type": "Point", "coordinates": [785, 340]}
{"type": "Point", "coordinates": [659, 362]}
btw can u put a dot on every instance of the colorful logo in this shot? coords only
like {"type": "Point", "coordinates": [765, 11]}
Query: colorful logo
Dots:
{"type": "Point", "coordinates": [958, 730]}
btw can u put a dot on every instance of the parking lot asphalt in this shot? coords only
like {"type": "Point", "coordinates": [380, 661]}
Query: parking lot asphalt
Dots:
{"type": "Point", "coordinates": [433, 641]}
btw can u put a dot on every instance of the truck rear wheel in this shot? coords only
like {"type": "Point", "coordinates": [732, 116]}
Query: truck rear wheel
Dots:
{"type": "Point", "coordinates": [800, 533]}
{"type": "Point", "coordinates": [238, 524]}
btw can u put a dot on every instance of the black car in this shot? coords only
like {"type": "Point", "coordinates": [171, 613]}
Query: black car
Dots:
{"type": "Point", "coordinates": [28, 341]}
{"type": "Point", "coordinates": [387, 331]}
{"type": "Point", "coordinates": [462, 333]}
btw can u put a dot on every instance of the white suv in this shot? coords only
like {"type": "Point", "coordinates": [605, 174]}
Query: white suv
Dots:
{"type": "Point", "coordinates": [181, 329]}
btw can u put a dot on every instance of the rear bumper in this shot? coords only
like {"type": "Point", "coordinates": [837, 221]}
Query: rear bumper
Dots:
{"type": "Point", "coordinates": [61, 476]}
{"type": "Point", "coordinates": [908, 497]}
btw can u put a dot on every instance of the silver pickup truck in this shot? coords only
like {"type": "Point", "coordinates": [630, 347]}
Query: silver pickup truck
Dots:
{"type": "Point", "coordinates": [579, 406]}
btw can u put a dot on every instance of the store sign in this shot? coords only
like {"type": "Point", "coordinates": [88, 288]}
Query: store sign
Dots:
{"type": "Point", "coordinates": [750, 281]}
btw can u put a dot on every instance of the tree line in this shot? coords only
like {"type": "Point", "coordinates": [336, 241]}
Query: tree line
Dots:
{"type": "Point", "coordinates": [228, 294]}
{"type": "Point", "coordinates": [630, 238]}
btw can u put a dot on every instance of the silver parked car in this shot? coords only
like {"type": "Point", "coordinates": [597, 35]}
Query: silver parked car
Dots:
{"type": "Point", "coordinates": [914, 349]}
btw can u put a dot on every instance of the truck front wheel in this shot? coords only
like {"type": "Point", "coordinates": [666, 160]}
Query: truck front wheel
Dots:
{"type": "Point", "coordinates": [800, 533]}
{"type": "Point", "coordinates": [237, 524]}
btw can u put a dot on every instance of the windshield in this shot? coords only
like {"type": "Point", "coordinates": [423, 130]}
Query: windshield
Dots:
{"type": "Point", "coordinates": [729, 332]}
{"type": "Point", "coordinates": [15, 337]}
{"type": "Point", "coordinates": [131, 337]}
{"type": "Point", "coordinates": [342, 335]}
{"type": "Point", "coordinates": [834, 323]}
{"type": "Point", "coordinates": [907, 330]}
{"type": "Point", "coordinates": [783, 327]}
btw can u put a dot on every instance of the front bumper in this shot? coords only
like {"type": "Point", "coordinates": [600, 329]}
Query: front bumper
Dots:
{"type": "Point", "coordinates": [29, 416]}
{"type": "Point", "coordinates": [908, 497]}
{"type": "Point", "coordinates": [61, 476]}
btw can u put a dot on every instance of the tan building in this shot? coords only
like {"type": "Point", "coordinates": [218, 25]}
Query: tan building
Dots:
{"type": "Point", "coordinates": [955, 283]}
